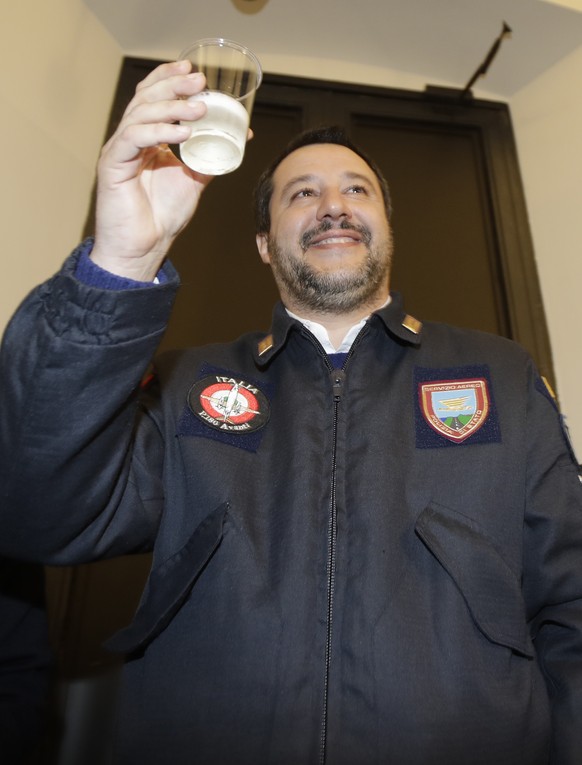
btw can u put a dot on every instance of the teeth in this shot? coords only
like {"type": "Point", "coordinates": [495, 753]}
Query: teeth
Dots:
{"type": "Point", "coordinates": [337, 240]}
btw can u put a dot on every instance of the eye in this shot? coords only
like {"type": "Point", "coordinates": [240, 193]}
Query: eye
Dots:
{"type": "Point", "coordinates": [303, 193]}
{"type": "Point", "coordinates": [357, 189]}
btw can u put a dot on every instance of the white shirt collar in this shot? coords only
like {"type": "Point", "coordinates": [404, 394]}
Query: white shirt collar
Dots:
{"type": "Point", "coordinates": [320, 332]}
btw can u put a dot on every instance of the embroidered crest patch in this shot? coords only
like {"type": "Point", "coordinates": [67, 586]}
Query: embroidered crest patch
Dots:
{"type": "Point", "coordinates": [228, 404]}
{"type": "Point", "coordinates": [225, 406]}
{"type": "Point", "coordinates": [455, 408]}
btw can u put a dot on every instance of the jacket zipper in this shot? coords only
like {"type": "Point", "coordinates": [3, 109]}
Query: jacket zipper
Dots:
{"type": "Point", "coordinates": [338, 377]}
{"type": "Point", "coordinates": [338, 380]}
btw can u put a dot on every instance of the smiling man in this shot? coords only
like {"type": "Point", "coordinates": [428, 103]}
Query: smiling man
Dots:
{"type": "Point", "coordinates": [366, 532]}
{"type": "Point", "coordinates": [327, 235]}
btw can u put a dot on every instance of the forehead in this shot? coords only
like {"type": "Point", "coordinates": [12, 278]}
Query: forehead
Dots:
{"type": "Point", "coordinates": [321, 162]}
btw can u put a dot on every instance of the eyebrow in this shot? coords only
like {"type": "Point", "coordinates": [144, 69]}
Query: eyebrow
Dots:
{"type": "Point", "coordinates": [299, 179]}
{"type": "Point", "coordinates": [311, 178]}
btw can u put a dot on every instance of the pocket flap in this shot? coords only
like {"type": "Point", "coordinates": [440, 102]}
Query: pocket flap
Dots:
{"type": "Point", "coordinates": [169, 586]}
{"type": "Point", "coordinates": [490, 588]}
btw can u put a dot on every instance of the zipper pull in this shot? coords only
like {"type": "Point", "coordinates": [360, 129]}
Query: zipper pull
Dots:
{"type": "Point", "coordinates": [338, 377]}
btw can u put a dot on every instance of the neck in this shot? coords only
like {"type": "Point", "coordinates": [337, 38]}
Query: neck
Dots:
{"type": "Point", "coordinates": [338, 324]}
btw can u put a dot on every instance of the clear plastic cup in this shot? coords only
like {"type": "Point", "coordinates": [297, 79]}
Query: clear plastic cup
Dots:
{"type": "Point", "coordinates": [233, 74]}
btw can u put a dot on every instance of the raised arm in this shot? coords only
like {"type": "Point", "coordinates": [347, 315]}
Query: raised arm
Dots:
{"type": "Point", "coordinates": [145, 195]}
{"type": "Point", "coordinates": [71, 426]}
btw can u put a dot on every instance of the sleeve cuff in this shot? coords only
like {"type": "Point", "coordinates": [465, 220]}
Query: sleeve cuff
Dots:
{"type": "Point", "coordinates": [92, 275]}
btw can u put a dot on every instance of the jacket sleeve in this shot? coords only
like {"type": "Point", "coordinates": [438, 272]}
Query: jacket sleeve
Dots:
{"type": "Point", "coordinates": [73, 435]}
{"type": "Point", "coordinates": [553, 569]}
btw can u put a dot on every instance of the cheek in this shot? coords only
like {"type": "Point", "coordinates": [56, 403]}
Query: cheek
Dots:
{"type": "Point", "coordinates": [380, 231]}
{"type": "Point", "coordinates": [292, 223]}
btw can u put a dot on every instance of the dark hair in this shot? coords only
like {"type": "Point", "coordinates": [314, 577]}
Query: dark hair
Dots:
{"type": "Point", "coordinates": [329, 134]}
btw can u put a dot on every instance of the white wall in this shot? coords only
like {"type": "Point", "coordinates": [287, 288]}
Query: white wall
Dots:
{"type": "Point", "coordinates": [547, 117]}
{"type": "Point", "coordinates": [58, 69]}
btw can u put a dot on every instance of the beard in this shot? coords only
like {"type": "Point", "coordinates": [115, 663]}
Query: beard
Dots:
{"type": "Point", "coordinates": [336, 291]}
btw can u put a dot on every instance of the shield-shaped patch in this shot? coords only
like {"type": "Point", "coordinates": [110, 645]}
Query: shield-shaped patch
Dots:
{"type": "Point", "coordinates": [456, 409]}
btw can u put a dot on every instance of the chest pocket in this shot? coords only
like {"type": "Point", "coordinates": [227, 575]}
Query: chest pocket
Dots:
{"type": "Point", "coordinates": [488, 585]}
{"type": "Point", "coordinates": [169, 585]}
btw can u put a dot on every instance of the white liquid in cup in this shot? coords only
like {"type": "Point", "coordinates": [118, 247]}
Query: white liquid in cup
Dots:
{"type": "Point", "coordinates": [218, 140]}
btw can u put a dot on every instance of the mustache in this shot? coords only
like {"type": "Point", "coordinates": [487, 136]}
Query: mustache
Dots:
{"type": "Point", "coordinates": [327, 225]}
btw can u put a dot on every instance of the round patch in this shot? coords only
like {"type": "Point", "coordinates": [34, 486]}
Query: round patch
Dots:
{"type": "Point", "coordinates": [228, 404]}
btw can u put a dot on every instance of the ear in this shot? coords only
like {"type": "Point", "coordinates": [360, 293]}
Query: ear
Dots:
{"type": "Point", "coordinates": [263, 247]}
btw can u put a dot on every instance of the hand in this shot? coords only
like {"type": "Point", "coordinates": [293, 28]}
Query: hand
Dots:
{"type": "Point", "coordinates": [145, 195]}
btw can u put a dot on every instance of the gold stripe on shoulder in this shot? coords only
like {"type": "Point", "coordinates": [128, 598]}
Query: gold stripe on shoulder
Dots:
{"type": "Point", "coordinates": [265, 345]}
{"type": "Point", "coordinates": [549, 388]}
{"type": "Point", "coordinates": [412, 324]}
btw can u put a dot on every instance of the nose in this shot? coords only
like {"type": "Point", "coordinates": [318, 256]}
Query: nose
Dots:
{"type": "Point", "coordinates": [333, 204]}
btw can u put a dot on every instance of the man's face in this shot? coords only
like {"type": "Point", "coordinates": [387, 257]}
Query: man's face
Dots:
{"type": "Point", "coordinates": [330, 243]}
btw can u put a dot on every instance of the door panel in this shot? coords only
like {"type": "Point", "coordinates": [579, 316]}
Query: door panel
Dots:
{"type": "Point", "coordinates": [445, 261]}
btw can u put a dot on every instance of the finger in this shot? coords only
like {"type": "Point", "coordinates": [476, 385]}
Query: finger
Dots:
{"type": "Point", "coordinates": [163, 71]}
{"type": "Point", "coordinates": [164, 111]}
{"type": "Point", "coordinates": [127, 145]}
{"type": "Point", "coordinates": [177, 86]}
{"type": "Point", "coordinates": [150, 125]}
{"type": "Point", "coordinates": [167, 101]}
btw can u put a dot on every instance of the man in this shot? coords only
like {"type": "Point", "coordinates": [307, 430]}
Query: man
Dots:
{"type": "Point", "coordinates": [367, 534]}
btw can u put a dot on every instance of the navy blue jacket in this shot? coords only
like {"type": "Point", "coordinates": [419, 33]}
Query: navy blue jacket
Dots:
{"type": "Point", "coordinates": [378, 564]}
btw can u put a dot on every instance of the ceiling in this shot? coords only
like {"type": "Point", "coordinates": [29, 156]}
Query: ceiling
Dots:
{"type": "Point", "coordinates": [442, 41]}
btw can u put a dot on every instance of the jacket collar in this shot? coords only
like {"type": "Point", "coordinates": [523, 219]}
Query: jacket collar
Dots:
{"type": "Point", "coordinates": [269, 345]}
{"type": "Point", "coordinates": [398, 323]}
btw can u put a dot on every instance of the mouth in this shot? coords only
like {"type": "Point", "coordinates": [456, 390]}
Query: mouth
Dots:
{"type": "Point", "coordinates": [333, 239]}
{"type": "Point", "coordinates": [328, 236]}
